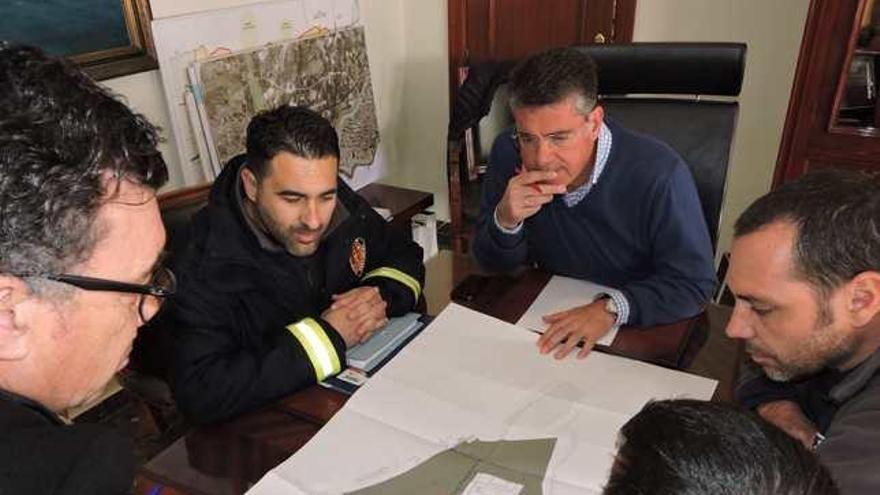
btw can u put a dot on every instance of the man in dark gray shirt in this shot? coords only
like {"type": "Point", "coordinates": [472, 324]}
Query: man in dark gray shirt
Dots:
{"type": "Point", "coordinates": [805, 270]}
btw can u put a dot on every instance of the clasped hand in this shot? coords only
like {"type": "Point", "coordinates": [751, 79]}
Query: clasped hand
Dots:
{"type": "Point", "coordinates": [356, 314]}
{"type": "Point", "coordinates": [586, 323]}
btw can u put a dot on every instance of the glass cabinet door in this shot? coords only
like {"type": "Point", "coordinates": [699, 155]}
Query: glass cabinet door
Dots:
{"type": "Point", "coordinates": [856, 103]}
{"type": "Point", "coordinates": [833, 118]}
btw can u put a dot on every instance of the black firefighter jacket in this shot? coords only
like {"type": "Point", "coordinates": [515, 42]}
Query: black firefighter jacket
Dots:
{"type": "Point", "coordinates": [246, 321]}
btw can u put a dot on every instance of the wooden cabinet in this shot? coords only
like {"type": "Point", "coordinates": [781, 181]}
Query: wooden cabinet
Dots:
{"type": "Point", "coordinates": [832, 116]}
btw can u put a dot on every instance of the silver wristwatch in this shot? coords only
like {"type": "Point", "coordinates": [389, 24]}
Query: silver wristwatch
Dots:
{"type": "Point", "coordinates": [610, 304]}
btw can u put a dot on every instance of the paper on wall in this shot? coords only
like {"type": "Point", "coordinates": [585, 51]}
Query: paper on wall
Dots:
{"type": "Point", "coordinates": [181, 40]}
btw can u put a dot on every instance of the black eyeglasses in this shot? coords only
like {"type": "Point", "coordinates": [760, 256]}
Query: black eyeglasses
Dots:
{"type": "Point", "coordinates": [162, 284]}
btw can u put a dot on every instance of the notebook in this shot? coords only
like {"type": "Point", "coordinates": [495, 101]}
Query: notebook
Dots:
{"type": "Point", "coordinates": [366, 355]}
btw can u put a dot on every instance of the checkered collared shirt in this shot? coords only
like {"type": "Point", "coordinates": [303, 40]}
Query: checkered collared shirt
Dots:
{"type": "Point", "coordinates": [603, 151]}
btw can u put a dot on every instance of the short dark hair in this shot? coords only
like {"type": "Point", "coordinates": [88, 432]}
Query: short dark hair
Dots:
{"type": "Point", "coordinates": [551, 76]}
{"type": "Point", "coordinates": [59, 134]}
{"type": "Point", "coordinates": [695, 447]}
{"type": "Point", "coordinates": [292, 129]}
{"type": "Point", "coordinates": [837, 215]}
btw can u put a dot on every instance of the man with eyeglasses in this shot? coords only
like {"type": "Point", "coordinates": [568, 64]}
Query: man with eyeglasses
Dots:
{"type": "Point", "coordinates": [582, 196]}
{"type": "Point", "coordinates": [79, 269]}
{"type": "Point", "coordinates": [286, 268]}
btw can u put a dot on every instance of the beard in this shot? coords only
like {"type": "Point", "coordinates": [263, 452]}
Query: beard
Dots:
{"type": "Point", "coordinates": [286, 234]}
{"type": "Point", "coordinates": [825, 347]}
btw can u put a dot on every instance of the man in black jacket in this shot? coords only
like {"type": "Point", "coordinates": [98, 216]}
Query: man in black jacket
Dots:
{"type": "Point", "coordinates": [287, 268]}
{"type": "Point", "coordinates": [805, 269]}
{"type": "Point", "coordinates": [80, 237]}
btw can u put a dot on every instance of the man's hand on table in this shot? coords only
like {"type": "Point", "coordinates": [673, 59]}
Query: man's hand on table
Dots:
{"type": "Point", "coordinates": [588, 323]}
{"type": "Point", "coordinates": [789, 417]}
{"type": "Point", "coordinates": [356, 314]}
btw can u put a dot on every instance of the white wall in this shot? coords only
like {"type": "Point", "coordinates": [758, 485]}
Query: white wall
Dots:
{"type": "Point", "coordinates": [425, 102]}
{"type": "Point", "coordinates": [773, 31]}
{"type": "Point", "coordinates": [407, 48]}
{"type": "Point", "coordinates": [144, 94]}
{"type": "Point", "coordinates": [383, 31]}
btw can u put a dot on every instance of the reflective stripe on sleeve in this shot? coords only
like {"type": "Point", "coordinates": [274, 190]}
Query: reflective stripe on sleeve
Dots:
{"type": "Point", "coordinates": [318, 347]}
{"type": "Point", "coordinates": [395, 274]}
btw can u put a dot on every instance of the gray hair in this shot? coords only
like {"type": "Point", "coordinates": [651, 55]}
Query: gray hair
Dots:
{"type": "Point", "coordinates": [60, 136]}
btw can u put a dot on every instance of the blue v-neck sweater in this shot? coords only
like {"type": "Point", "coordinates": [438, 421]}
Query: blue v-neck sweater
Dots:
{"type": "Point", "coordinates": [640, 229]}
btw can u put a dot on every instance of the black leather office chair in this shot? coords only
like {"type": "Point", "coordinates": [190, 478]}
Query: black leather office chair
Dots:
{"type": "Point", "coordinates": [656, 88]}
{"type": "Point", "coordinates": [146, 375]}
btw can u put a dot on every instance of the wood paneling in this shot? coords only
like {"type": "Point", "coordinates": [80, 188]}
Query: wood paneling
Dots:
{"type": "Point", "coordinates": [624, 20]}
{"type": "Point", "coordinates": [481, 30]}
{"type": "Point", "coordinates": [519, 27]}
{"type": "Point", "coordinates": [478, 25]}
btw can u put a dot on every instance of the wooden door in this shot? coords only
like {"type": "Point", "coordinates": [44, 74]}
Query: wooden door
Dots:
{"type": "Point", "coordinates": [832, 115]}
{"type": "Point", "coordinates": [481, 30]}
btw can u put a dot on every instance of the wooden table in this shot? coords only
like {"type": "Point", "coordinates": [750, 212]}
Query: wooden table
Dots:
{"type": "Point", "coordinates": [228, 458]}
{"type": "Point", "coordinates": [403, 203]}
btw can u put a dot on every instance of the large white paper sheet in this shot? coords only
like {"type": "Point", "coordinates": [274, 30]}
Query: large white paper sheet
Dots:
{"type": "Point", "coordinates": [559, 294]}
{"type": "Point", "coordinates": [470, 376]}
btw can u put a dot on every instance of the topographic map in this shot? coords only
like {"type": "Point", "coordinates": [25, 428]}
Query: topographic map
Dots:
{"type": "Point", "coordinates": [328, 73]}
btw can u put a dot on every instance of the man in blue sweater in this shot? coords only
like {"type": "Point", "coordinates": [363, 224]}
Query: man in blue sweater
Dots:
{"type": "Point", "coordinates": [586, 198]}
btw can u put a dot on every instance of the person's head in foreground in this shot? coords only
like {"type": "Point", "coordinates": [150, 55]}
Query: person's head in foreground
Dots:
{"type": "Point", "coordinates": [805, 270]}
{"type": "Point", "coordinates": [290, 176]}
{"type": "Point", "coordinates": [689, 447]}
{"type": "Point", "coordinates": [80, 232]}
{"type": "Point", "coordinates": [553, 98]}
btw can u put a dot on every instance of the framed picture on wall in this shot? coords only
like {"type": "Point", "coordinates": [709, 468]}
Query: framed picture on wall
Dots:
{"type": "Point", "coordinates": [108, 38]}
